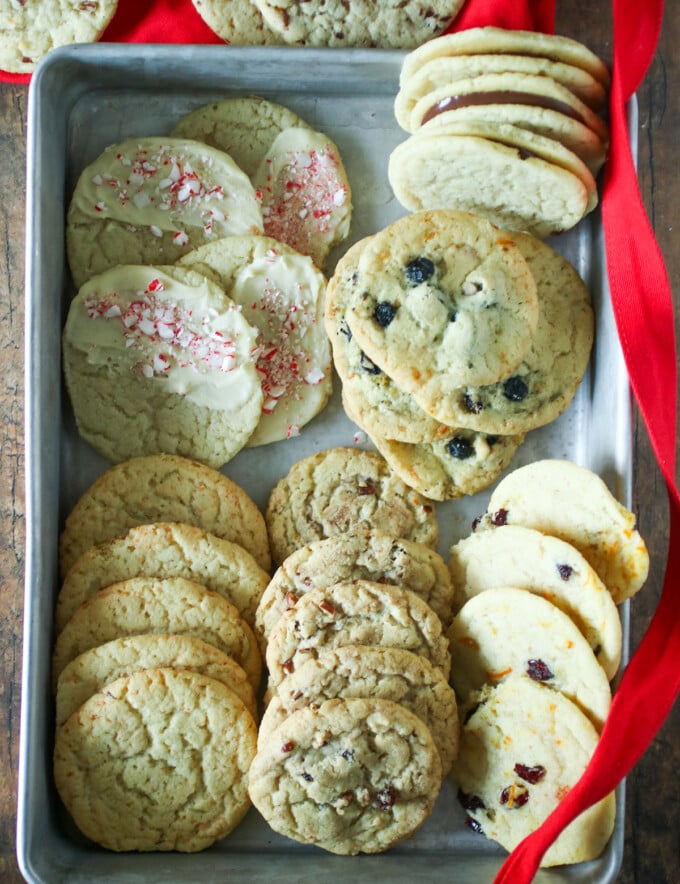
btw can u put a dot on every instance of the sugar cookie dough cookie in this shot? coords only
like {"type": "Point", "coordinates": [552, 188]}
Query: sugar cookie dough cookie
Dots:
{"type": "Point", "coordinates": [353, 776]}
{"type": "Point", "coordinates": [362, 553]}
{"type": "Point", "coordinates": [506, 631]}
{"type": "Point", "coordinates": [160, 359]}
{"type": "Point", "coordinates": [238, 22]}
{"type": "Point", "coordinates": [144, 765]}
{"type": "Point", "coordinates": [163, 488]}
{"type": "Point", "coordinates": [83, 677]}
{"type": "Point", "coordinates": [151, 200]}
{"type": "Point", "coordinates": [377, 673]}
{"type": "Point", "coordinates": [522, 749]}
{"type": "Point", "coordinates": [360, 612]}
{"type": "Point", "coordinates": [30, 29]}
{"type": "Point", "coordinates": [570, 502]}
{"type": "Point", "coordinates": [162, 605]}
{"type": "Point", "coordinates": [280, 293]}
{"type": "Point", "coordinates": [165, 549]}
{"type": "Point", "coordinates": [333, 490]}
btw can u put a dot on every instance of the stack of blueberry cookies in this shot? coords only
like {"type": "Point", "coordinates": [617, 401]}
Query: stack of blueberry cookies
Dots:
{"type": "Point", "coordinates": [505, 124]}
{"type": "Point", "coordinates": [452, 339]}
{"type": "Point", "coordinates": [156, 667]}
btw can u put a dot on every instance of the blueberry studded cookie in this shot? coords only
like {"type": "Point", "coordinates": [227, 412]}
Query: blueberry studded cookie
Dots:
{"type": "Point", "coordinates": [353, 776]}
{"type": "Point", "coordinates": [506, 631]}
{"type": "Point", "coordinates": [522, 749]}
{"type": "Point", "coordinates": [443, 299]}
{"type": "Point", "coordinates": [151, 200]}
{"type": "Point", "coordinates": [163, 488]}
{"type": "Point", "coordinates": [526, 559]}
{"type": "Point", "coordinates": [568, 501]}
{"type": "Point", "coordinates": [144, 765]}
{"type": "Point", "coordinates": [165, 549]}
{"type": "Point", "coordinates": [360, 612]}
{"type": "Point", "coordinates": [377, 673]}
{"type": "Point", "coordinates": [333, 490]}
{"type": "Point", "coordinates": [362, 553]}
{"type": "Point", "coordinates": [92, 670]}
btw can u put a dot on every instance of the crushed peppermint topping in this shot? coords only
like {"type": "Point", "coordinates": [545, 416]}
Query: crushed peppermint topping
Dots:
{"type": "Point", "coordinates": [166, 334]}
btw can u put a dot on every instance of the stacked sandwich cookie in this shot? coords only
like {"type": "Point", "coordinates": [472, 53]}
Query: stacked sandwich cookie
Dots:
{"type": "Point", "coordinates": [505, 124]}
{"type": "Point", "coordinates": [156, 667]}
{"type": "Point", "coordinates": [453, 339]}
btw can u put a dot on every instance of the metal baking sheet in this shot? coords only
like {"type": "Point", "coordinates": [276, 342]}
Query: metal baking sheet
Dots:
{"type": "Point", "coordinates": [83, 98]}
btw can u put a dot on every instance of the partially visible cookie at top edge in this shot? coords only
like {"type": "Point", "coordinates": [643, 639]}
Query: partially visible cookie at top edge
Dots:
{"type": "Point", "coordinates": [333, 490]}
{"type": "Point", "coordinates": [238, 22]}
{"type": "Point", "coordinates": [160, 488]}
{"type": "Point", "coordinates": [243, 127]}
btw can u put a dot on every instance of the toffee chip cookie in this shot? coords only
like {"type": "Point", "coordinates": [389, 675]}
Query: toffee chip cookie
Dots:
{"type": "Point", "coordinates": [359, 612]}
{"type": "Point", "coordinates": [171, 605]}
{"type": "Point", "coordinates": [165, 549]}
{"type": "Point", "coordinates": [151, 200]}
{"type": "Point", "coordinates": [92, 670]}
{"type": "Point", "coordinates": [163, 488]}
{"type": "Point", "coordinates": [30, 29]}
{"type": "Point", "coordinates": [522, 749]}
{"type": "Point", "coordinates": [362, 553]}
{"type": "Point", "coordinates": [504, 632]}
{"type": "Point", "coordinates": [353, 776]}
{"type": "Point", "coordinates": [160, 359]}
{"type": "Point", "coordinates": [280, 293]}
{"type": "Point", "coordinates": [443, 299]}
{"type": "Point", "coordinates": [331, 491]}
{"type": "Point", "coordinates": [373, 673]}
{"type": "Point", "coordinates": [526, 559]}
{"type": "Point", "coordinates": [157, 761]}
{"type": "Point", "coordinates": [568, 501]}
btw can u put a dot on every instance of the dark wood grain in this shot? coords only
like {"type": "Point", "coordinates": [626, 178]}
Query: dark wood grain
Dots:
{"type": "Point", "coordinates": [652, 848]}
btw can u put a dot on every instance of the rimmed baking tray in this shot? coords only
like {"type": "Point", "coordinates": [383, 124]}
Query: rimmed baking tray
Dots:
{"type": "Point", "coordinates": [83, 98]}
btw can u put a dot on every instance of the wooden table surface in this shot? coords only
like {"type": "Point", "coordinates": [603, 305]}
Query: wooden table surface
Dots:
{"type": "Point", "coordinates": [652, 846]}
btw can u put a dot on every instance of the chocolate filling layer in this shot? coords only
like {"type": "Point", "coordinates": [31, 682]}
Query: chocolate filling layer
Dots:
{"type": "Point", "coordinates": [453, 102]}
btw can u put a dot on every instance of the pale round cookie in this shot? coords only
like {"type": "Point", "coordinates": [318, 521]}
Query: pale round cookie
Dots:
{"type": "Point", "coordinates": [515, 178]}
{"type": "Point", "coordinates": [375, 401]}
{"type": "Point", "coordinates": [238, 22]}
{"type": "Point", "coordinates": [144, 765]}
{"type": "Point", "coordinates": [377, 673]}
{"type": "Point", "coordinates": [353, 776]}
{"type": "Point", "coordinates": [163, 488]}
{"type": "Point", "coordinates": [306, 199]}
{"type": "Point", "coordinates": [243, 127]}
{"type": "Point", "coordinates": [522, 750]}
{"type": "Point", "coordinates": [390, 24]}
{"type": "Point", "coordinates": [280, 293]}
{"type": "Point", "coordinates": [358, 612]}
{"type": "Point", "coordinates": [165, 549]}
{"type": "Point", "coordinates": [151, 200]}
{"type": "Point", "coordinates": [458, 463]}
{"type": "Point", "coordinates": [92, 670]}
{"type": "Point", "coordinates": [143, 605]}
{"type": "Point", "coordinates": [544, 384]}
{"type": "Point", "coordinates": [487, 40]}
{"type": "Point", "coordinates": [507, 631]}
{"type": "Point", "coordinates": [526, 559]}
{"type": "Point", "coordinates": [566, 500]}
{"type": "Point", "coordinates": [362, 553]}
{"type": "Point", "coordinates": [442, 299]}
{"type": "Point", "coordinates": [333, 490]}
{"type": "Point", "coordinates": [446, 69]}
{"type": "Point", "coordinates": [160, 359]}
{"type": "Point", "coordinates": [29, 29]}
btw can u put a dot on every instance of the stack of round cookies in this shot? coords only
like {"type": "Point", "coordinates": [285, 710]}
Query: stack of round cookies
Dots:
{"type": "Point", "coordinates": [452, 339]}
{"type": "Point", "coordinates": [361, 723]}
{"type": "Point", "coordinates": [534, 645]}
{"type": "Point", "coordinates": [505, 124]}
{"type": "Point", "coordinates": [156, 666]}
